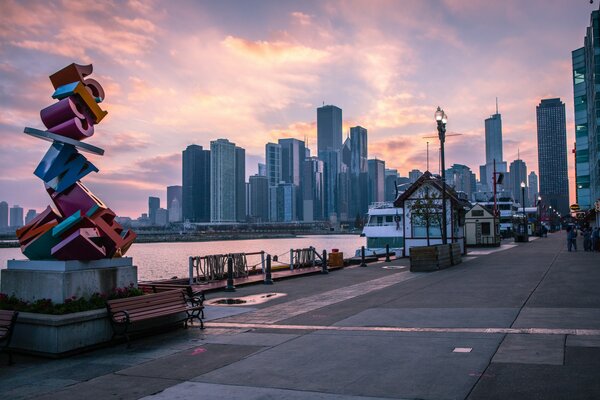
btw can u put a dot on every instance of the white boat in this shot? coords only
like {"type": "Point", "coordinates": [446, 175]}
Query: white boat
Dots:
{"type": "Point", "coordinates": [383, 227]}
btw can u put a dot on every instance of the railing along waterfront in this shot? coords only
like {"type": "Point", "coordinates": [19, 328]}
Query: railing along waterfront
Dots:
{"type": "Point", "coordinates": [209, 268]}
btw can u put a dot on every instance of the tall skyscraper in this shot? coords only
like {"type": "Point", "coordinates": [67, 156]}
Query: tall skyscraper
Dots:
{"type": "Point", "coordinates": [293, 153]}
{"type": "Point", "coordinates": [3, 215]}
{"type": "Point", "coordinates": [262, 169]}
{"type": "Point", "coordinates": [376, 180]}
{"type": "Point", "coordinates": [223, 182]}
{"type": "Point", "coordinates": [16, 216]}
{"type": "Point", "coordinates": [331, 164]}
{"type": "Point", "coordinates": [413, 175]}
{"type": "Point", "coordinates": [174, 200]}
{"type": "Point", "coordinates": [532, 181]}
{"type": "Point", "coordinates": [313, 190]}
{"type": "Point", "coordinates": [31, 214]}
{"type": "Point", "coordinates": [196, 184]}
{"type": "Point", "coordinates": [359, 172]}
{"type": "Point", "coordinates": [329, 129]}
{"type": "Point", "coordinates": [462, 179]}
{"type": "Point", "coordinates": [329, 142]}
{"type": "Point", "coordinates": [518, 175]}
{"type": "Point", "coordinates": [240, 184]}
{"type": "Point", "coordinates": [552, 154]}
{"type": "Point", "coordinates": [153, 205]}
{"type": "Point", "coordinates": [493, 150]}
{"type": "Point", "coordinates": [391, 179]}
{"type": "Point", "coordinates": [273, 163]}
{"type": "Point", "coordinates": [259, 198]}
{"type": "Point", "coordinates": [586, 95]}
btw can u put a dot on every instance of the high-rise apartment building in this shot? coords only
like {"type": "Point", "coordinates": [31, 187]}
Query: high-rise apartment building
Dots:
{"type": "Point", "coordinates": [273, 163]}
{"type": "Point", "coordinates": [329, 129]}
{"type": "Point", "coordinates": [391, 179]}
{"type": "Point", "coordinates": [329, 143]}
{"type": "Point", "coordinates": [31, 214]}
{"type": "Point", "coordinates": [259, 198]}
{"type": "Point", "coordinates": [518, 175]}
{"type": "Point", "coordinates": [3, 215]}
{"type": "Point", "coordinates": [376, 180]}
{"type": "Point", "coordinates": [240, 184]}
{"type": "Point", "coordinates": [16, 216]}
{"type": "Point", "coordinates": [224, 181]}
{"type": "Point", "coordinates": [196, 175]}
{"type": "Point", "coordinates": [153, 205]}
{"type": "Point", "coordinates": [313, 196]}
{"type": "Point", "coordinates": [413, 175]}
{"type": "Point", "coordinates": [293, 153]}
{"type": "Point", "coordinates": [174, 200]}
{"type": "Point", "coordinates": [359, 173]}
{"type": "Point", "coordinates": [586, 95]}
{"type": "Point", "coordinates": [532, 185]}
{"type": "Point", "coordinates": [552, 154]}
{"type": "Point", "coordinates": [462, 179]}
{"type": "Point", "coordinates": [262, 169]}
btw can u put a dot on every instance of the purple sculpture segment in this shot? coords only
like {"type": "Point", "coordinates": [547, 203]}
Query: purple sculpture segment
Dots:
{"type": "Point", "coordinates": [81, 227]}
{"type": "Point", "coordinates": [66, 118]}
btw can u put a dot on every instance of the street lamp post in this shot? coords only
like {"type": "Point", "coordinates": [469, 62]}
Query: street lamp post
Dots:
{"type": "Point", "coordinates": [441, 119]}
{"type": "Point", "coordinates": [523, 197]}
{"type": "Point", "coordinates": [539, 216]}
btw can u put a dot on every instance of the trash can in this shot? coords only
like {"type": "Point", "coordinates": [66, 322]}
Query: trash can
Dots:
{"type": "Point", "coordinates": [336, 258]}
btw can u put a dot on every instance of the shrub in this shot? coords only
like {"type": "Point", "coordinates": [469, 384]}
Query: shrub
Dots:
{"type": "Point", "coordinates": [71, 305]}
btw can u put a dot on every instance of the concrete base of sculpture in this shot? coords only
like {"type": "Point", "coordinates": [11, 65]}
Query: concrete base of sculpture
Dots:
{"type": "Point", "coordinates": [60, 280]}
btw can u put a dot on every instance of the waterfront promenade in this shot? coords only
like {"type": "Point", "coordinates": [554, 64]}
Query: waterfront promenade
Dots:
{"type": "Point", "coordinates": [520, 322]}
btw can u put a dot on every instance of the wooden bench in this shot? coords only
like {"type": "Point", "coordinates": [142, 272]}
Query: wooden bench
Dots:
{"type": "Point", "coordinates": [8, 319]}
{"type": "Point", "coordinates": [128, 312]}
{"type": "Point", "coordinates": [196, 298]}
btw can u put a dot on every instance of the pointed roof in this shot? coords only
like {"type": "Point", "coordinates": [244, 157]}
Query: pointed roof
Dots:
{"type": "Point", "coordinates": [429, 178]}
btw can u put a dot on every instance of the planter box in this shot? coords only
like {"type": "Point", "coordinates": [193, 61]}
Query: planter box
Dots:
{"type": "Point", "coordinates": [430, 258]}
{"type": "Point", "coordinates": [56, 335]}
{"type": "Point", "coordinates": [62, 335]}
{"type": "Point", "coordinates": [455, 254]}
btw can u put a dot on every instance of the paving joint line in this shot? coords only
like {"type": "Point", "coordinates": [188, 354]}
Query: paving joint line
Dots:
{"type": "Point", "coordinates": [525, 331]}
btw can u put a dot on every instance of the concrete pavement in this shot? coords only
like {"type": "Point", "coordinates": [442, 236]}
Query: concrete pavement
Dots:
{"type": "Point", "coordinates": [520, 322]}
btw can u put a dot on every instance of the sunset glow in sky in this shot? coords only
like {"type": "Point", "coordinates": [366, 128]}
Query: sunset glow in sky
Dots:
{"type": "Point", "coordinates": [188, 72]}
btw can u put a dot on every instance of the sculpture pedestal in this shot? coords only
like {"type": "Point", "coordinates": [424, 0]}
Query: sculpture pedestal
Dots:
{"type": "Point", "coordinates": [60, 280]}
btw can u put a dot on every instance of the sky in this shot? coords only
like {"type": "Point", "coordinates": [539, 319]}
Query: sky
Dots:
{"type": "Point", "coordinates": [188, 72]}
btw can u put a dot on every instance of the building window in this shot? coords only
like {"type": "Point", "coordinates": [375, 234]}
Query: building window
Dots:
{"type": "Point", "coordinates": [485, 228]}
{"type": "Point", "coordinates": [419, 226]}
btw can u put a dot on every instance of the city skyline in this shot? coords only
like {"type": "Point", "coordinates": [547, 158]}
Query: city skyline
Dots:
{"type": "Point", "coordinates": [257, 80]}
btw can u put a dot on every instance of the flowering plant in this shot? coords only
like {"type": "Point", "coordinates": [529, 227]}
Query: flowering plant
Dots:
{"type": "Point", "coordinates": [71, 305]}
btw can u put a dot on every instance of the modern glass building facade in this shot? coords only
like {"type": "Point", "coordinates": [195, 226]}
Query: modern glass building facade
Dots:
{"type": "Point", "coordinates": [329, 143]}
{"type": "Point", "coordinates": [586, 95]}
{"type": "Point", "coordinates": [552, 154]}
{"type": "Point", "coordinates": [518, 175]}
{"type": "Point", "coordinates": [196, 184]}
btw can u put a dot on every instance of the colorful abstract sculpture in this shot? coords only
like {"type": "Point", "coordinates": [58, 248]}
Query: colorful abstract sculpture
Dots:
{"type": "Point", "coordinates": [79, 226]}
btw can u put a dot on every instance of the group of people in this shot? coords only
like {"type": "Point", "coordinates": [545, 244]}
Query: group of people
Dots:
{"type": "Point", "coordinates": [591, 238]}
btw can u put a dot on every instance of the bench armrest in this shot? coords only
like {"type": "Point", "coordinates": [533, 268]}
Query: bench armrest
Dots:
{"type": "Point", "coordinates": [113, 315]}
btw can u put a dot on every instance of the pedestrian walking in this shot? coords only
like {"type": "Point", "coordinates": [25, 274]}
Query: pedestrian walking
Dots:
{"type": "Point", "coordinates": [587, 239]}
{"type": "Point", "coordinates": [595, 238]}
{"type": "Point", "coordinates": [571, 238]}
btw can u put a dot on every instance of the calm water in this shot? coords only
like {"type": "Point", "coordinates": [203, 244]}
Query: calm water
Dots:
{"type": "Point", "coordinates": [165, 260]}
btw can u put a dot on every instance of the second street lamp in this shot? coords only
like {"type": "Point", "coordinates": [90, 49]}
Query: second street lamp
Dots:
{"type": "Point", "coordinates": [441, 119]}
